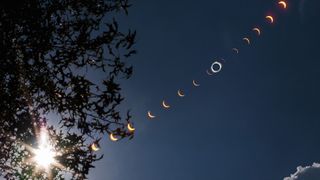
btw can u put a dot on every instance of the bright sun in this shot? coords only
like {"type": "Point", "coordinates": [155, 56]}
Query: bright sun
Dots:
{"type": "Point", "coordinates": [44, 155]}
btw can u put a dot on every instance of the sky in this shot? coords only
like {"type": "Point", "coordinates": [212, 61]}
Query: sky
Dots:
{"type": "Point", "coordinates": [258, 118]}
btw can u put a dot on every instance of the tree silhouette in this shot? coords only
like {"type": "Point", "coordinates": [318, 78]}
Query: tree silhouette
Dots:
{"type": "Point", "coordinates": [49, 51]}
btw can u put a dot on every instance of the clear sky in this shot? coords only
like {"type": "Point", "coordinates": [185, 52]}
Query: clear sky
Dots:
{"type": "Point", "coordinates": [256, 120]}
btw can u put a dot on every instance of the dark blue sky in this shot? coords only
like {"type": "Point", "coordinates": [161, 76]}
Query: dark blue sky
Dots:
{"type": "Point", "coordinates": [256, 120]}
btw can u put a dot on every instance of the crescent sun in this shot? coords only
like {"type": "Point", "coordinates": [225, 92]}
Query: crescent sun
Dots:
{"type": "Point", "coordinates": [247, 40]}
{"type": "Point", "coordinates": [113, 138]}
{"type": "Point", "coordinates": [95, 147]}
{"type": "Point", "coordinates": [180, 93]}
{"type": "Point", "coordinates": [235, 50]}
{"type": "Point", "coordinates": [209, 73]}
{"type": "Point", "coordinates": [130, 127]}
{"type": "Point", "coordinates": [195, 83]}
{"type": "Point", "coordinates": [165, 105]}
{"type": "Point", "coordinates": [257, 30]}
{"type": "Point", "coordinates": [270, 18]}
{"type": "Point", "coordinates": [150, 115]}
{"type": "Point", "coordinates": [283, 4]}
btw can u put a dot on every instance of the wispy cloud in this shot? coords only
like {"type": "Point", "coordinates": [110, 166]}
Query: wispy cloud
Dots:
{"type": "Point", "coordinates": [306, 173]}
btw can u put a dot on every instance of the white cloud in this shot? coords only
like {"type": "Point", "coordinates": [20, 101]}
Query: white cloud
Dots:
{"type": "Point", "coordinates": [306, 173]}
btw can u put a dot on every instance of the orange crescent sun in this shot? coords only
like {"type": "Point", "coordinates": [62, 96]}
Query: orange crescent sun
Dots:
{"type": "Point", "coordinates": [283, 4]}
{"type": "Point", "coordinates": [270, 18]}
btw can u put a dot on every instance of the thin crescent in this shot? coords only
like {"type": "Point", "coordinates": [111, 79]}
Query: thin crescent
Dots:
{"type": "Point", "coordinates": [209, 73]}
{"type": "Point", "coordinates": [94, 147]}
{"type": "Point", "coordinates": [130, 127]}
{"type": "Point", "coordinates": [270, 18]}
{"type": "Point", "coordinates": [166, 106]}
{"type": "Point", "coordinates": [216, 70]}
{"type": "Point", "coordinates": [235, 50]}
{"type": "Point", "coordinates": [283, 3]}
{"type": "Point", "coordinates": [247, 40]}
{"type": "Point", "coordinates": [195, 83]}
{"type": "Point", "coordinates": [150, 115]}
{"type": "Point", "coordinates": [180, 93]}
{"type": "Point", "coordinates": [257, 30]}
{"type": "Point", "coordinates": [113, 138]}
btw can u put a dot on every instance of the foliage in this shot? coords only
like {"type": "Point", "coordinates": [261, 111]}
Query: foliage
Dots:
{"type": "Point", "coordinates": [51, 51]}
